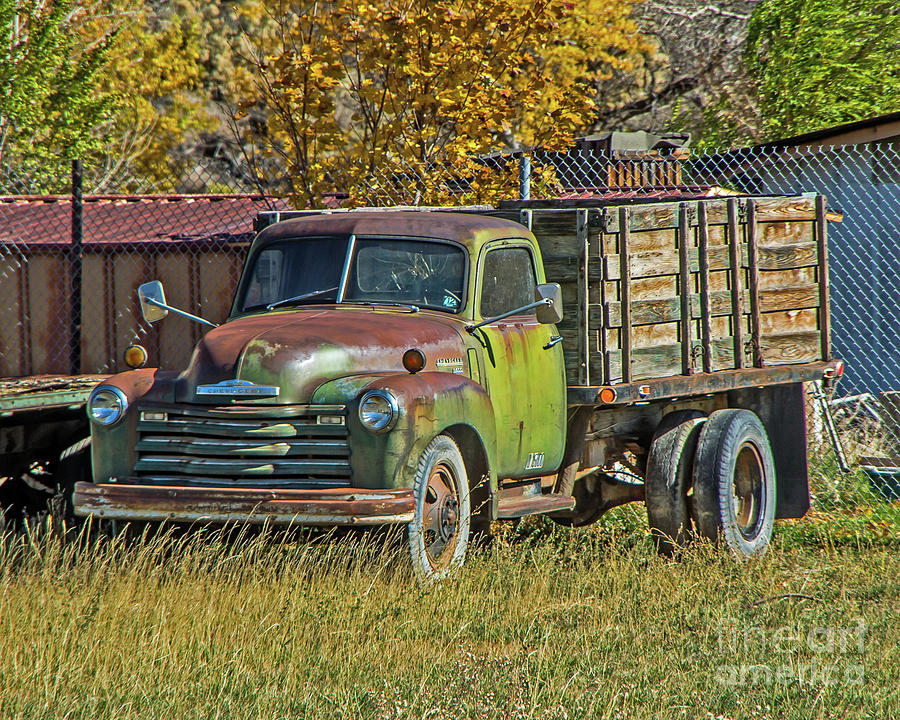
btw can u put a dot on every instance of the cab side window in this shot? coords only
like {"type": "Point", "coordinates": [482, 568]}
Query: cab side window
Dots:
{"type": "Point", "coordinates": [507, 281]}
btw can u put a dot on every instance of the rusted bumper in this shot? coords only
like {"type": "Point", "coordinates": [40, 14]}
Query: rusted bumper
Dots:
{"type": "Point", "coordinates": [219, 505]}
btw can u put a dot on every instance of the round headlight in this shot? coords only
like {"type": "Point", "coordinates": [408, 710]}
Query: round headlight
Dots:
{"type": "Point", "coordinates": [106, 405]}
{"type": "Point", "coordinates": [378, 410]}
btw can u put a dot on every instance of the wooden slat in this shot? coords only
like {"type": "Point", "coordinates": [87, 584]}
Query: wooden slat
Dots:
{"type": "Point", "coordinates": [753, 269]}
{"type": "Point", "coordinates": [735, 249]}
{"type": "Point", "coordinates": [659, 216]}
{"type": "Point", "coordinates": [584, 346]}
{"type": "Point", "coordinates": [684, 288]}
{"type": "Point", "coordinates": [658, 262]}
{"type": "Point", "coordinates": [649, 312]}
{"type": "Point", "coordinates": [564, 268]}
{"type": "Point", "coordinates": [822, 245]}
{"type": "Point", "coordinates": [664, 360]}
{"type": "Point", "coordinates": [625, 294]}
{"type": "Point", "coordinates": [703, 249]}
{"type": "Point", "coordinates": [785, 209]}
{"type": "Point", "coordinates": [665, 215]}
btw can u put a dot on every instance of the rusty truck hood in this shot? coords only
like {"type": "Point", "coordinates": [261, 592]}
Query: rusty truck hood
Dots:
{"type": "Point", "coordinates": [299, 350]}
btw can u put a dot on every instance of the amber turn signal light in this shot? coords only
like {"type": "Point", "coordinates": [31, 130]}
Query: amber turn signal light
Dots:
{"type": "Point", "coordinates": [135, 356]}
{"type": "Point", "coordinates": [607, 395]}
{"type": "Point", "coordinates": [413, 360]}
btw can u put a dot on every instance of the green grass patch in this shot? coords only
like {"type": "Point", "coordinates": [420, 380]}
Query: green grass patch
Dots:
{"type": "Point", "coordinates": [546, 622]}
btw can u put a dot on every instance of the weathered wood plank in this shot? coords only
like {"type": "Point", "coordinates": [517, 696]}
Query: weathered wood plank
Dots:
{"type": "Point", "coordinates": [584, 347]}
{"type": "Point", "coordinates": [785, 209]}
{"type": "Point", "coordinates": [665, 360]}
{"type": "Point", "coordinates": [753, 280]}
{"type": "Point", "coordinates": [822, 243]}
{"type": "Point", "coordinates": [648, 312]}
{"type": "Point", "coordinates": [564, 268]}
{"type": "Point", "coordinates": [653, 263]}
{"type": "Point", "coordinates": [625, 295]}
{"type": "Point", "coordinates": [703, 250]}
{"type": "Point", "coordinates": [660, 216]}
{"type": "Point", "coordinates": [684, 287]}
{"type": "Point", "coordinates": [737, 282]}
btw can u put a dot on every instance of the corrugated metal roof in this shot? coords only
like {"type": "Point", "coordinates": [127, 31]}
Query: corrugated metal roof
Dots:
{"type": "Point", "coordinates": [153, 218]}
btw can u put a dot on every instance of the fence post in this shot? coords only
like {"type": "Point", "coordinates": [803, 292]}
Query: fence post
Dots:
{"type": "Point", "coordinates": [75, 268]}
{"type": "Point", "coordinates": [525, 177]}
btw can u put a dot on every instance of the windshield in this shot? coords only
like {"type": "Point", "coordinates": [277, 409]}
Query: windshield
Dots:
{"type": "Point", "coordinates": [424, 273]}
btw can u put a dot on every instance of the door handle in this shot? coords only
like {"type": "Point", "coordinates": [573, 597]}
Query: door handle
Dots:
{"type": "Point", "coordinates": [554, 340]}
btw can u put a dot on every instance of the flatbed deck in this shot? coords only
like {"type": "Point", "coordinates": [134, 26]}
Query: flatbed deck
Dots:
{"type": "Point", "coordinates": [685, 386]}
{"type": "Point", "coordinates": [41, 392]}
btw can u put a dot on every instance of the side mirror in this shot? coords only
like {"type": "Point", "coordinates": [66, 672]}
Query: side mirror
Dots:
{"type": "Point", "coordinates": [552, 313]}
{"type": "Point", "coordinates": [150, 294]}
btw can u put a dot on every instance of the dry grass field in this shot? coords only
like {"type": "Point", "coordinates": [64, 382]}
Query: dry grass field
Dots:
{"type": "Point", "coordinates": [545, 622]}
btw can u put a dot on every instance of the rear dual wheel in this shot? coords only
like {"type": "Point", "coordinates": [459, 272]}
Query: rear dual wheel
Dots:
{"type": "Point", "coordinates": [734, 483]}
{"type": "Point", "coordinates": [713, 477]}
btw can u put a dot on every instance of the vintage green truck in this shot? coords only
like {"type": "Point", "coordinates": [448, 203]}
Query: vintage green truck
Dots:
{"type": "Point", "coordinates": [442, 369]}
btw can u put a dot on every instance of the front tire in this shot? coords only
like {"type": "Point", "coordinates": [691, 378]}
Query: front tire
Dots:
{"type": "Point", "coordinates": [734, 482]}
{"type": "Point", "coordinates": [439, 532]}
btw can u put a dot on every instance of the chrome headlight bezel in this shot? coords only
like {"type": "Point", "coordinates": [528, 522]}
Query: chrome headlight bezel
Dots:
{"type": "Point", "coordinates": [389, 414]}
{"type": "Point", "coordinates": [117, 405]}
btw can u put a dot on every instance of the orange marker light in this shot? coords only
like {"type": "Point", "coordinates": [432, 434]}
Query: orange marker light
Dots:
{"type": "Point", "coordinates": [413, 360]}
{"type": "Point", "coordinates": [607, 395]}
{"type": "Point", "coordinates": [135, 356]}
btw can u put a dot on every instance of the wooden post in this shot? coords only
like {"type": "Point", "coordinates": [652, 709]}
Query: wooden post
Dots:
{"type": "Point", "coordinates": [736, 273]}
{"type": "Point", "coordinates": [584, 349]}
{"type": "Point", "coordinates": [684, 268]}
{"type": "Point", "coordinates": [753, 266]}
{"type": "Point", "coordinates": [822, 247]}
{"type": "Point", "coordinates": [625, 294]}
{"type": "Point", "coordinates": [703, 252]}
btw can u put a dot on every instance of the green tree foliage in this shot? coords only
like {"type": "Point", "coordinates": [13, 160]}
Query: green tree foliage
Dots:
{"type": "Point", "coordinates": [818, 63]}
{"type": "Point", "coordinates": [50, 81]}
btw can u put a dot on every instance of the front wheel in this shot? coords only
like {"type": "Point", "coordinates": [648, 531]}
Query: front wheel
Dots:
{"type": "Point", "coordinates": [734, 482]}
{"type": "Point", "coordinates": [439, 532]}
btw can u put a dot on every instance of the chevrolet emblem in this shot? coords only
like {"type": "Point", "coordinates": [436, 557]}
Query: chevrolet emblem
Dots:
{"type": "Point", "coordinates": [238, 388]}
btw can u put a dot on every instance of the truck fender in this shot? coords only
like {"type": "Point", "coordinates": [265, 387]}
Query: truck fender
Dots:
{"type": "Point", "coordinates": [430, 403]}
{"type": "Point", "coordinates": [112, 449]}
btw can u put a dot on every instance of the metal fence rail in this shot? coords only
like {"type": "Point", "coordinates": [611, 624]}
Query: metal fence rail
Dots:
{"type": "Point", "coordinates": [70, 260]}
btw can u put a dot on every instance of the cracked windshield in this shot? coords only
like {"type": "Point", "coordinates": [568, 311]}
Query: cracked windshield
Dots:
{"type": "Point", "coordinates": [305, 272]}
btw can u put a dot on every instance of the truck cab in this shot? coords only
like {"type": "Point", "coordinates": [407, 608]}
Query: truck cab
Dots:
{"type": "Point", "coordinates": [376, 367]}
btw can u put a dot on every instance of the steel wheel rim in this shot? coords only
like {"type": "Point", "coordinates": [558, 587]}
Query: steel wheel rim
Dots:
{"type": "Point", "coordinates": [440, 517]}
{"type": "Point", "coordinates": [747, 491]}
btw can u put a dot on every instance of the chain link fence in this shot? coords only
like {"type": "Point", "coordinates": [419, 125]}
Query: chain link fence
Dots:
{"type": "Point", "coordinates": [73, 250]}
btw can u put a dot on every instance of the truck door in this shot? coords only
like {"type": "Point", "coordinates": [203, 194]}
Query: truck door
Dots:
{"type": "Point", "coordinates": [525, 379]}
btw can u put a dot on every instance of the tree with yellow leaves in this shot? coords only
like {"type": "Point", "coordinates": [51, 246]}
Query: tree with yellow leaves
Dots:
{"type": "Point", "coordinates": [364, 95]}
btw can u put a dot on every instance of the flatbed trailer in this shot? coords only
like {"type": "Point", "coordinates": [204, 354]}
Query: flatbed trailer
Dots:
{"type": "Point", "coordinates": [42, 422]}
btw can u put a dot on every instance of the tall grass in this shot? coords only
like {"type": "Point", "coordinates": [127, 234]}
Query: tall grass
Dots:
{"type": "Point", "coordinates": [545, 622]}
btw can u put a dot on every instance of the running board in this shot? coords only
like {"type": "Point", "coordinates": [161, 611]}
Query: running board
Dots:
{"type": "Point", "coordinates": [522, 505]}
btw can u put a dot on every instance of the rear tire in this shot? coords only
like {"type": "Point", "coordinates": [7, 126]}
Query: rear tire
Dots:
{"type": "Point", "coordinates": [734, 482]}
{"type": "Point", "coordinates": [668, 478]}
{"type": "Point", "coordinates": [439, 532]}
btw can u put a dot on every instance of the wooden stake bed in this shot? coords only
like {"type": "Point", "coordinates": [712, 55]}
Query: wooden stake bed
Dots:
{"type": "Point", "coordinates": [658, 290]}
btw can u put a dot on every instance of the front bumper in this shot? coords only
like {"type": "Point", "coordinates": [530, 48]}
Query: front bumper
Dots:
{"type": "Point", "coordinates": [326, 507]}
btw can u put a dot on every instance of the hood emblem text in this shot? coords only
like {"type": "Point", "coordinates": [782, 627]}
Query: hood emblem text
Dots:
{"type": "Point", "coordinates": [239, 388]}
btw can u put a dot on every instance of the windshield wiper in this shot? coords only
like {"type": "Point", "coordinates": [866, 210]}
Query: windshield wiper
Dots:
{"type": "Point", "coordinates": [372, 303]}
{"type": "Point", "coordinates": [298, 298]}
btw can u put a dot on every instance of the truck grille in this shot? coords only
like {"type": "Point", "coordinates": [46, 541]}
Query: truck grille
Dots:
{"type": "Point", "coordinates": [285, 446]}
